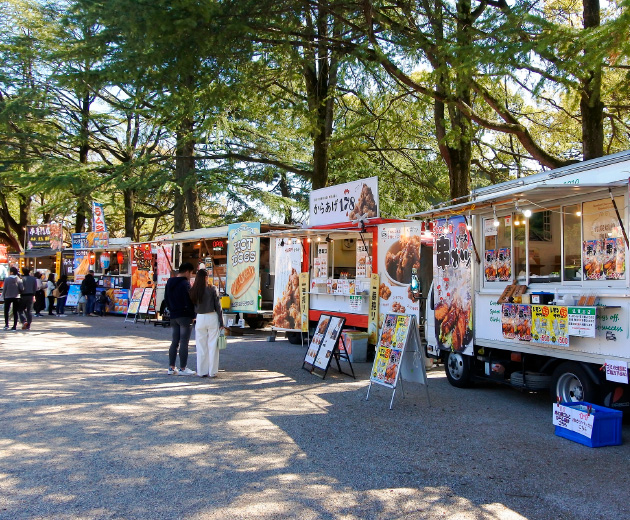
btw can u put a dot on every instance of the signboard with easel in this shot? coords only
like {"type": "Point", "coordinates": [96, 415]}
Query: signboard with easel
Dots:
{"type": "Point", "coordinates": [325, 345]}
{"type": "Point", "coordinates": [134, 305]}
{"type": "Point", "coordinates": [399, 355]}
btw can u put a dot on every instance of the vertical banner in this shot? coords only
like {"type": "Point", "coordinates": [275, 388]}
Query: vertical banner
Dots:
{"type": "Point", "coordinates": [399, 247]}
{"type": "Point", "coordinates": [98, 218]}
{"type": "Point", "coordinates": [81, 264]}
{"type": "Point", "coordinates": [373, 323]}
{"type": "Point", "coordinates": [243, 254]}
{"type": "Point", "coordinates": [286, 294]}
{"type": "Point", "coordinates": [304, 300]}
{"type": "Point", "coordinates": [452, 285]}
{"type": "Point", "coordinates": [141, 266]}
{"type": "Point", "coordinates": [164, 255]}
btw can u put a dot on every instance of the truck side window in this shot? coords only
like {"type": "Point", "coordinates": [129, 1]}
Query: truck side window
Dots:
{"type": "Point", "coordinates": [572, 251]}
{"type": "Point", "coordinates": [544, 246]}
{"type": "Point", "coordinates": [603, 249]}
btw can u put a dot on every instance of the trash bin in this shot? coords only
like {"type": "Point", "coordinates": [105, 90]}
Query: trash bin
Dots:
{"type": "Point", "coordinates": [356, 344]}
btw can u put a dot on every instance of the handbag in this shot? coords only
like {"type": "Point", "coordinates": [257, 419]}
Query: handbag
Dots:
{"type": "Point", "coordinates": [56, 292]}
{"type": "Point", "coordinates": [222, 341]}
{"type": "Point", "coordinates": [82, 299]}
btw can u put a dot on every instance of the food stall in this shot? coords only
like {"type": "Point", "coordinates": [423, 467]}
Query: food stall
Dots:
{"type": "Point", "coordinates": [531, 283]}
{"type": "Point", "coordinates": [241, 267]}
{"type": "Point", "coordinates": [4, 264]}
{"type": "Point", "coordinates": [357, 265]}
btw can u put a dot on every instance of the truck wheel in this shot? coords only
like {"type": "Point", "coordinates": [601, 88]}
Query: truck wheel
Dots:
{"type": "Point", "coordinates": [295, 338]}
{"type": "Point", "coordinates": [458, 370]}
{"type": "Point", "coordinates": [255, 321]}
{"type": "Point", "coordinates": [571, 383]}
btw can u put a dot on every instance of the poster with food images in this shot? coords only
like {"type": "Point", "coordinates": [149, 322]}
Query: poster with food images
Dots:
{"type": "Point", "coordinates": [141, 265]}
{"type": "Point", "coordinates": [452, 285]}
{"type": "Point", "coordinates": [550, 325]}
{"type": "Point", "coordinates": [524, 323]}
{"type": "Point", "coordinates": [509, 312]}
{"type": "Point", "coordinates": [593, 259]}
{"type": "Point", "coordinates": [164, 266]}
{"type": "Point", "coordinates": [243, 266]}
{"type": "Point", "coordinates": [344, 202]}
{"type": "Point", "coordinates": [399, 253]}
{"type": "Point", "coordinates": [134, 304]}
{"type": "Point", "coordinates": [287, 314]}
{"type": "Point", "coordinates": [81, 265]}
{"type": "Point", "coordinates": [504, 264]}
{"type": "Point", "coordinates": [329, 341]}
{"type": "Point", "coordinates": [390, 350]}
{"type": "Point", "coordinates": [614, 259]}
{"type": "Point", "coordinates": [363, 260]}
{"type": "Point", "coordinates": [320, 271]}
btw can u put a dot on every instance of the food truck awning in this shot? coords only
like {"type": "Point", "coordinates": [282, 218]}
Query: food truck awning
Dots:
{"type": "Point", "coordinates": [35, 253]}
{"type": "Point", "coordinates": [520, 193]}
{"type": "Point", "coordinates": [333, 229]}
{"type": "Point", "coordinates": [215, 232]}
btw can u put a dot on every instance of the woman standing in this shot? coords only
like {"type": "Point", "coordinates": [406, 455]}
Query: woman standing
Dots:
{"type": "Point", "coordinates": [11, 291]}
{"type": "Point", "coordinates": [40, 298]}
{"type": "Point", "coordinates": [50, 287]}
{"type": "Point", "coordinates": [209, 323]}
{"type": "Point", "coordinates": [62, 287]}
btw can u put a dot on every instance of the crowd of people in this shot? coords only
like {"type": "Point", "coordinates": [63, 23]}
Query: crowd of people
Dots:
{"type": "Point", "coordinates": [30, 295]}
{"type": "Point", "coordinates": [199, 304]}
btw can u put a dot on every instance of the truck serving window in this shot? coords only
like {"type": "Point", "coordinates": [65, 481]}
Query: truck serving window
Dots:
{"type": "Point", "coordinates": [544, 245]}
{"type": "Point", "coordinates": [572, 249]}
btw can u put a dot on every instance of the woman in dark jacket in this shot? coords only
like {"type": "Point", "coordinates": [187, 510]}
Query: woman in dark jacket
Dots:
{"type": "Point", "coordinates": [62, 286]}
{"type": "Point", "coordinates": [50, 287]}
{"type": "Point", "coordinates": [209, 323]}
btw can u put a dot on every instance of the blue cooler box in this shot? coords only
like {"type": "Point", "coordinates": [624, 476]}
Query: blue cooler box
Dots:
{"type": "Point", "coordinates": [606, 426]}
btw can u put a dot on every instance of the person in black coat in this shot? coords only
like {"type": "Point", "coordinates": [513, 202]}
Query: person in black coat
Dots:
{"type": "Point", "coordinates": [182, 312]}
{"type": "Point", "coordinates": [88, 289]}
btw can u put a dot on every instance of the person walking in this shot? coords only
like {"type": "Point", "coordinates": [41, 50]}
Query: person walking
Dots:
{"type": "Point", "coordinates": [62, 289]}
{"type": "Point", "coordinates": [50, 287]}
{"type": "Point", "coordinates": [209, 323]}
{"type": "Point", "coordinates": [40, 297]}
{"type": "Point", "coordinates": [28, 297]}
{"type": "Point", "coordinates": [11, 295]}
{"type": "Point", "coordinates": [182, 311]}
{"type": "Point", "coordinates": [88, 289]}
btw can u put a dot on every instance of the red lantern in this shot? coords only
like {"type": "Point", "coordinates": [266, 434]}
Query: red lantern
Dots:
{"type": "Point", "coordinates": [120, 257]}
{"type": "Point", "coordinates": [92, 258]}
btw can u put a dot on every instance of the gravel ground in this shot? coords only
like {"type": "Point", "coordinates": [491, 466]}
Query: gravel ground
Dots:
{"type": "Point", "coordinates": [91, 427]}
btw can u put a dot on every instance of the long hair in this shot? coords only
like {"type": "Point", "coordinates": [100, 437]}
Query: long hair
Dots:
{"type": "Point", "coordinates": [199, 287]}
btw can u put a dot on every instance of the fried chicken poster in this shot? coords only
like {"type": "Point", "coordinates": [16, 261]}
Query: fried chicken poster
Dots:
{"type": "Point", "coordinates": [452, 285]}
{"type": "Point", "coordinates": [399, 248]}
{"type": "Point", "coordinates": [344, 202]}
{"type": "Point", "coordinates": [287, 313]}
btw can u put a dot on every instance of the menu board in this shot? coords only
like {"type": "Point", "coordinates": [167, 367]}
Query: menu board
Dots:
{"type": "Point", "coordinates": [363, 261]}
{"type": "Point", "coordinates": [145, 302]}
{"type": "Point", "coordinates": [134, 304]}
{"type": "Point", "coordinates": [320, 267]}
{"type": "Point", "coordinates": [452, 285]}
{"type": "Point", "coordinates": [90, 240]}
{"type": "Point", "coordinates": [550, 325]}
{"type": "Point", "coordinates": [390, 350]}
{"type": "Point", "coordinates": [74, 293]}
{"type": "Point", "coordinates": [582, 321]}
{"type": "Point", "coordinates": [322, 346]}
{"type": "Point", "coordinates": [119, 300]}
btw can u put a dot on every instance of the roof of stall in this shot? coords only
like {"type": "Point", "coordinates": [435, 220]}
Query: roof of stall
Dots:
{"type": "Point", "coordinates": [215, 232]}
{"type": "Point", "coordinates": [596, 175]}
{"type": "Point", "coordinates": [342, 228]}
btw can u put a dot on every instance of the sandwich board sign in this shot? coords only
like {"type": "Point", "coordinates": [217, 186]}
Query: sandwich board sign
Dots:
{"type": "Point", "coordinates": [399, 355]}
{"type": "Point", "coordinates": [324, 346]}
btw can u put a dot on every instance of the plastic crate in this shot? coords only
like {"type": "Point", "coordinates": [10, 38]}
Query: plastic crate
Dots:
{"type": "Point", "coordinates": [606, 426]}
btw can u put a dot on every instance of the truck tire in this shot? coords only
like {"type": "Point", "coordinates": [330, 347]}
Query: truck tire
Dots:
{"type": "Point", "coordinates": [295, 338]}
{"type": "Point", "coordinates": [571, 383]}
{"type": "Point", "coordinates": [254, 321]}
{"type": "Point", "coordinates": [458, 369]}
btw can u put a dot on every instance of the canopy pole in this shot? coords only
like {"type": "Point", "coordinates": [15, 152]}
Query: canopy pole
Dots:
{"type": "Point", "coordinates": [472, 239]}
{"type": "Point", "coordinates": [623, 229]}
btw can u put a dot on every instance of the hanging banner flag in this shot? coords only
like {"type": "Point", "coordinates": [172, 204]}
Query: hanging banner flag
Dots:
{"type": "Point", "coordinates": [98, 218]}
{"type": "Point", "coordinates": [243, 269]}
{"type": "Point", "coordinates": [287, 314]}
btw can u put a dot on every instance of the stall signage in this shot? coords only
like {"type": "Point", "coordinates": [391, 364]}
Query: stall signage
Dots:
{"type": "Point", "coordinates": [617, 371]}
{"type": "Point", "coordinates": [577, 419]}
{"type": "Point", "coordinates": [4, 255]}
{"type": "Point", "coordinates": [344, 202]}
{"type": "Point", "coordinates": [489, 229]}
{"type": "Point", "coordinates": [363, 261]}
{"type": "Point", "coordinates": [38, 237]}
{"type": "Point", "coordinates": [287, 314]}
{"type": "Point", "coordinates": [400, 244]}
{"type": "Point", "coordinates": [81, 264]}
{"type": "Point", "coordinates": [452, 285]}
{"type": "Point", "coordinates": [373, 310]}
{"type": "Point", "coordinates": [91, 240]}
{"type": "Point", "coordinates": [134, 303]}
{"type": "Point", "coordinates": [328, 342]}
{"type": "Point", "coordinates": [145, 301]}
{"type": "Point", "coordinates": [550, 325]}
{"type": "Point", "coordinates": [390, 350]}
{"type": "Point", "coordinates": [243, 268]}
{"type": "Point", "coordinates": [320, 267]}
{"type": "Point", "coordinates": [74, 293]}
{"type": "Point", "coordinates": [164, 254]}
{"type": "Point", "coordinates": [304, 300]}
{"type": "Point", "coordinates": [582, 321]}
{"type": "Point", "coordinates": [141, 265]}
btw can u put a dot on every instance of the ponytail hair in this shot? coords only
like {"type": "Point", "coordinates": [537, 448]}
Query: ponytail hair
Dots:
{"type": "Point", "coordinates": [199, 286]}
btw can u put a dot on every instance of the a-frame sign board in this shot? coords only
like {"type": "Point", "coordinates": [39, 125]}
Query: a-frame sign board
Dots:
{"type": "Point", "coordinates": [326, 345]}
{"type": "Point", "coordinates": [399, 355]}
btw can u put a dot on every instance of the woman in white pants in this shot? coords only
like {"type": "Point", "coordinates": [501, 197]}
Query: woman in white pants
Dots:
{"type": "Point", "coordinates": [209, 323]}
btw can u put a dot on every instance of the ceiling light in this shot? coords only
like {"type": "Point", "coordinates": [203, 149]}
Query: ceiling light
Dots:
{"type": "Point", "coordinates": [527, 213]}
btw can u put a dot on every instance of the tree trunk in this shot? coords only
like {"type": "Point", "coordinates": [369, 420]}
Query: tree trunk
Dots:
{"type": "Point", "coordinates": [129, 199]}
{"type": "Point", "coordinates": [187, 200]}
{"type": "Point", "coordinates": [591, 106]}
{"type": "Point", "coordinates": [286, 193]}
{"type": "Point", "coordinates": [83, 203]}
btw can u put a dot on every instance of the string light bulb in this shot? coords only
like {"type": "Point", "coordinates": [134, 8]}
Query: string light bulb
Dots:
{"type": "Point", "coordinates": [495, 222]}
{"type": "Point", "coordinates": [527, 213]}
{"type": "Point", "coordinates": [468, 222]}
{"type": "Point", "coordinates": [578, 213]}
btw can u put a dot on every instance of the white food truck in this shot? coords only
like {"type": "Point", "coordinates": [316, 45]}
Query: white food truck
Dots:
{"type": "Point", "coordinates": [531, 285]}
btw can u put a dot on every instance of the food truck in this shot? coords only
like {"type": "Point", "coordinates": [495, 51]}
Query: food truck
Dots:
{"type": "Point", "coordinates": [239, 259]}
{"type": "Point", "coordinates": [349, 262]}
{"type": "Point", "coordinates": [530, 283]}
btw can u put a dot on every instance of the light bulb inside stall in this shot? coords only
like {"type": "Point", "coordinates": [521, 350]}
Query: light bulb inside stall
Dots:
{"type": "Point", "coordinates": [578, 213]}
{"type": "Point", "coordinates": [527, 213]}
